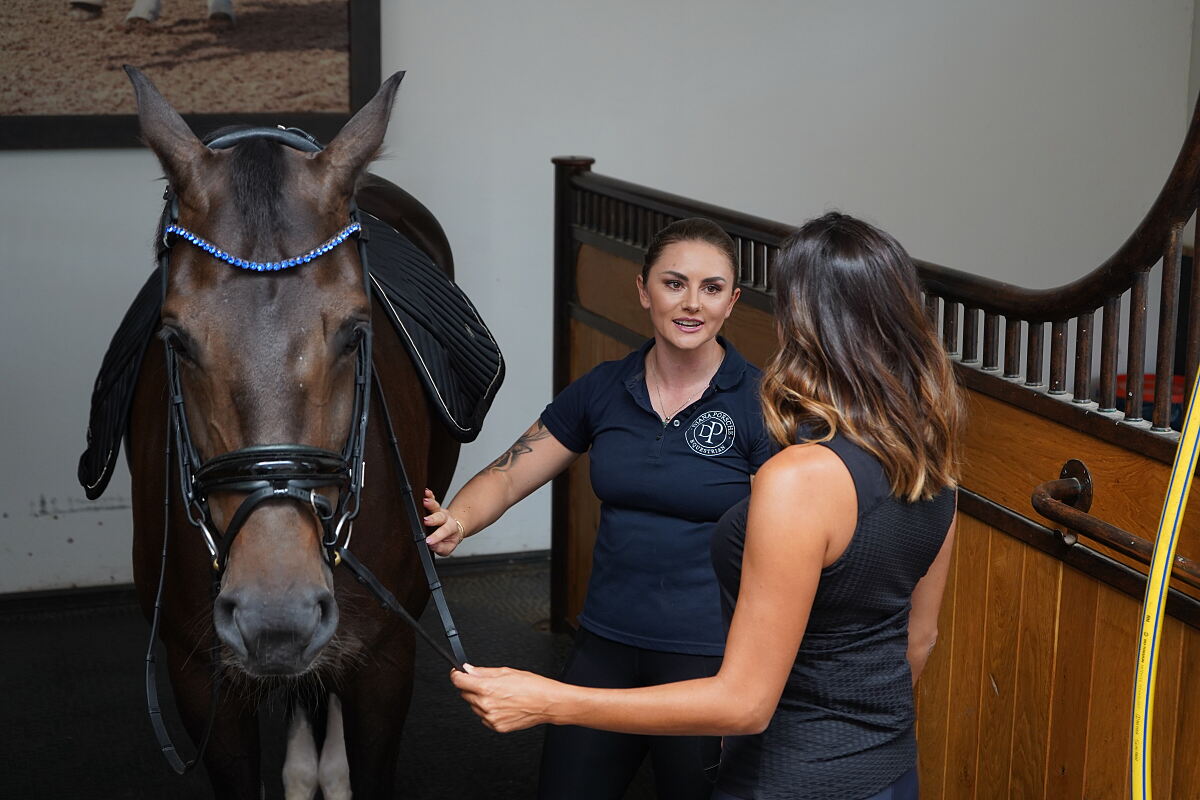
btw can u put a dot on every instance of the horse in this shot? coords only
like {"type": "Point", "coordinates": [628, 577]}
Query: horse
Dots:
{"type": "Point", "coordinates": [144, 12]}
{"type": "Point", "coordinates": [260, 363]}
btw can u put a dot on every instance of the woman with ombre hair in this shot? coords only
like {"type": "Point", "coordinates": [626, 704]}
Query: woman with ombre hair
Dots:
{"type": "Point", "coordinates": [832, 572]}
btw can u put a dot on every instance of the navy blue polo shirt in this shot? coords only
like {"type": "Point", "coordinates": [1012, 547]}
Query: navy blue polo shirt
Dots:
{"type": "Point", "coordinates": [662, 489]}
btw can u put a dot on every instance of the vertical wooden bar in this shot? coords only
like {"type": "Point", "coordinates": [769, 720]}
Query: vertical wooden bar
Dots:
{"type": "Point", "coordinates": [931, 309]}
{"type": "Point", "coordinates": [1012, 347]}
{"type": "Point", "coordinates": [991, 341]}
{"type": "Point", "coordinates": [1108, 353]}
{"type": "Point", "coordinates": [1083, 358]}
{"type": "Point", "coordinates": [950, 327]}
{"type": "Point", "coordinates": [1168, 315]}
{"type": "Point", "coordinates": [760, 262]}
{"type": "Point", "coordinates": [1033, 354]}
{"type": "Point", "coordinates": [565, 168]}
{"type": "Point", "coordinates": [1135, 363]}
{"type": "Point", "coordinates": [970, 343]}
{"type": "Point", "coordinates": [746, 272]}
{"type": "Point", "coordinates": [1058, 357]}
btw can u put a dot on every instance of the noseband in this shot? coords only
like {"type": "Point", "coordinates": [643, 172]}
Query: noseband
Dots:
{"type": "Point", "coordinates": [272, 472]}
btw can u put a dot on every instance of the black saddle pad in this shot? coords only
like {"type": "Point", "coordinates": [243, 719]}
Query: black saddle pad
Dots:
{"type": "Point", "coordinates": [452, 349]}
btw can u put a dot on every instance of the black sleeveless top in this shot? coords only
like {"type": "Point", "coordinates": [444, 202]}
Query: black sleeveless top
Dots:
{"type": "Point", "coordinates": [844, 725]}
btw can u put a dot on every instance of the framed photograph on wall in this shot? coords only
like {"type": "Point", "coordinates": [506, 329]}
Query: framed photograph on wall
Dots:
{"type": "Point", "coordinates": [303, 63]}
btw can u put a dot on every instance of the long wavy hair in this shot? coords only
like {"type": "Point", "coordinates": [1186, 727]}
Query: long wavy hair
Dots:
{"type": "Point", "coordinates": [859, 357]}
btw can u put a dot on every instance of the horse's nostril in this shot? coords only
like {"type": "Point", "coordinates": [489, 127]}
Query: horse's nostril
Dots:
{"type": "Point", "coordinates": [227, 628]}
{"type": "Point", "coordinates": [325, 606]}
{"type": "Point", "coordinates": [327, 622]}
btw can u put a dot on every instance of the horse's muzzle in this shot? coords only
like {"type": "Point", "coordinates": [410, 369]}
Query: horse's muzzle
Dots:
{"type": "Point", "coordinates": [274, 635]}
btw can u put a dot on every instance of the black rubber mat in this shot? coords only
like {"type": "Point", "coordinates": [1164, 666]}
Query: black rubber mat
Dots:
{"type": "Point", "coordinates": [75, 725]}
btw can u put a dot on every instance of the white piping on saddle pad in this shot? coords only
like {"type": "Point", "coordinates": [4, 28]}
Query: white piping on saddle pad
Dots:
{"type": "Point", "coordinates": [421, 360]}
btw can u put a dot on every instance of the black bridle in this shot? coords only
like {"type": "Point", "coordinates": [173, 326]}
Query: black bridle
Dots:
{"type": "Point", "coordinates": [292, 472]}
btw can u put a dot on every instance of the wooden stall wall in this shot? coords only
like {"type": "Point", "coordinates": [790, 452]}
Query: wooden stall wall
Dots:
{"type": "Point", "coordinates": [1028, 692]}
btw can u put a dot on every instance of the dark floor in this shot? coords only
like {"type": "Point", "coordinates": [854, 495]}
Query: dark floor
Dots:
{"type": "Point", "coordinates": [74, 707]}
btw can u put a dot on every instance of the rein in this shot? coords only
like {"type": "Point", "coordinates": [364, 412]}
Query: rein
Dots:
{"type": "Point", "coordinates": [280, 471]}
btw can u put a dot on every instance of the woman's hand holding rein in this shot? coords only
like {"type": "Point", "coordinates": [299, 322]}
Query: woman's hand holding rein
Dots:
{"type": "Point", "coordinates": [448, 531]}
{"type": "Point", "coordinates": [533, 459]}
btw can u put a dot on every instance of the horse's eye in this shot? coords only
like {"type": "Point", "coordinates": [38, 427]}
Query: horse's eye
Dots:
{"type": "Point", "coordinates": [178, 341]}
{"type": "Point", "coordinates": [354, 337]}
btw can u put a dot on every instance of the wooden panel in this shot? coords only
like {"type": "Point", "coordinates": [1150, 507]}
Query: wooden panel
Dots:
{"type": "Point", "coordinates": [1070, 701]}
{"type": "Point", "coordinates": [1107, 773]}
{"type": "Point", "coordinates": [584, 522]}
{"type": "Point", "coordinates": [1009, 451]}
{"type": "Point", "coordinates": [1028, 693]}
{"type": "Point", "coordinates": [1001, 647]}
{"type": "Point", "coordinates": [1166, 702]}
{"type": "Point", "coordinates": [1035, 672]}
{"type": "Point", "coordinates": [933, 699]}
{"type": "Point", "coordinates": [1185, 776]}
{"type": "Point", "coordinates": [966, 657]}
{"type": "Point", "coordinates": [607, 285]}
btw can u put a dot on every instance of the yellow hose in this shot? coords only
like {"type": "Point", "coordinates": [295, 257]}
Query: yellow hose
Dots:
{"type": "Point", "coordinates": [1157, 582]}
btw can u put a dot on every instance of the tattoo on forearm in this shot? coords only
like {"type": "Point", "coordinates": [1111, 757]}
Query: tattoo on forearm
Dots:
{"type": "Point", "coordinates": [520, 447]}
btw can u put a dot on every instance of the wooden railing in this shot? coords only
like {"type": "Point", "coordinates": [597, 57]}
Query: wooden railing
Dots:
{"type": "Point", "coordinates": [1043, 351]}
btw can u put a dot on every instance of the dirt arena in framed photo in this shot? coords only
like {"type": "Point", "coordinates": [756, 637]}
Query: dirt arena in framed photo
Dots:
{"type": "Point", "coordinates": [283, 56]}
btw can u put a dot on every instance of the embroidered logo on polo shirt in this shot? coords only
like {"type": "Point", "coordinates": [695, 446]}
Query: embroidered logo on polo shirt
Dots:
{"type": "Point", "coordinates": [711, 433]}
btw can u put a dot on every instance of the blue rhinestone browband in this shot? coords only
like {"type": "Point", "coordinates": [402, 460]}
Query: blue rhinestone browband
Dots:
{"type": "Point", "coordinates": [263, 266]}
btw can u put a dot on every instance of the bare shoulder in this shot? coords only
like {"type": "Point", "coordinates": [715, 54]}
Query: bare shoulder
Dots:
{"type": "Point", "coordinates": [810, 466]}
{"type": "Point", "coordinates": [805, 489]}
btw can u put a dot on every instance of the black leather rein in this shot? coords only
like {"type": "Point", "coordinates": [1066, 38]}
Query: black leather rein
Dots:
{"type": "Point", "coordinates": [281, 471]}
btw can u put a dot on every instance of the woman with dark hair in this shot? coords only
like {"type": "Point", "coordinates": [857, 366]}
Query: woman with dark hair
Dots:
{"type": "Point", "coordinates": [833, 571]}
{"type": "Point", "coordinates": [674, 431]}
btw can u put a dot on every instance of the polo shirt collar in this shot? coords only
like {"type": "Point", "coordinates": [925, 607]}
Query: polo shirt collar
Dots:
{"type": "Point", "coordinates": [729, 374]}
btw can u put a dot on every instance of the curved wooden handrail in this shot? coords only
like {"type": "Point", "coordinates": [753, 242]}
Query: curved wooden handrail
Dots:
{"type": "Point", "coordinates": [1139, 253]}
{"type": "Point", "coordinates": [1055, 500]}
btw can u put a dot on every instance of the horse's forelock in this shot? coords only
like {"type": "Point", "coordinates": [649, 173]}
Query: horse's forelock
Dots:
{"type": "Point", "coordinates": [257, 173]}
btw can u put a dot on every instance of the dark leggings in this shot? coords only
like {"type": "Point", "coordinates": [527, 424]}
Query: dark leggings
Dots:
{"type": "Point", "coordinates": [586, 764]}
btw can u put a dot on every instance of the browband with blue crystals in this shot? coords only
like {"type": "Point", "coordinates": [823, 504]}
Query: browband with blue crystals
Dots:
{"type": "Point", "coordinates": [262, 266]}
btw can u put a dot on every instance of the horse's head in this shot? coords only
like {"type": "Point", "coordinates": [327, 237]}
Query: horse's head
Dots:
{"type": "Point", "coordinates": [266, 359]}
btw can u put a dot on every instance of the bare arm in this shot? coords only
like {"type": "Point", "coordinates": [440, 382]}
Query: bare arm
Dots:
{"type": "Point", "coordinates": [533, 459]}
{"type": "Point", "coordinates": [926, 605]}
{"type": "Point", "coordinates": [781, 566]}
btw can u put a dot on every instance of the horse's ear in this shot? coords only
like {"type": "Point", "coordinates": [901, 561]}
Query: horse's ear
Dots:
{"type": "Point", "coordinates": [359, 140]}
{"type": "Point", "coordinates": [166, 133]}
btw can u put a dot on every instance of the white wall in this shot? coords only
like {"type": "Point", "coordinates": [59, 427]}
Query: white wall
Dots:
{"type": "Point", "coordinates": [1023, 140]}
